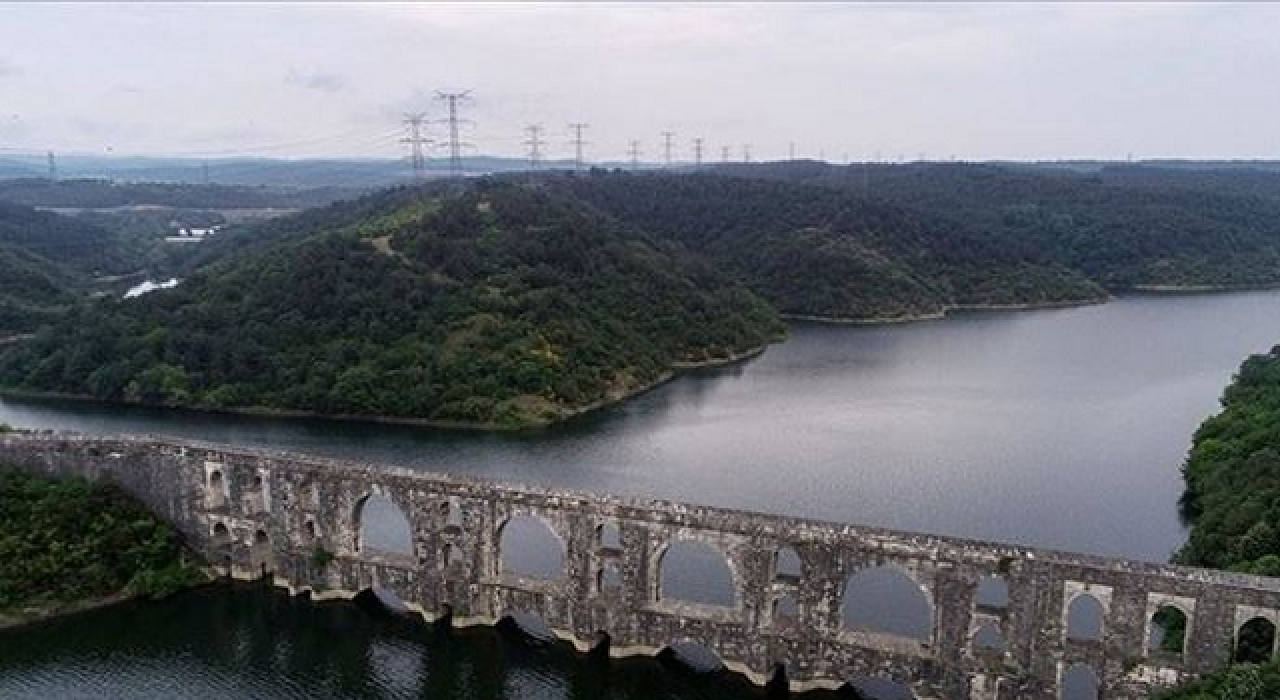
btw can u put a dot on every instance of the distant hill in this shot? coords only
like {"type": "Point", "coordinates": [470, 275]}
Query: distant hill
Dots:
{"type": "Point", "coordinates": [101, 194]}
{"type": "Point", "coordinates": [521, 299]}
{"type": "Point", "coordinates": [1123, 228]}
{"type": "Point", "coordinates": [820, 252]}
{"type": "Point", "coordinates": [75, 245]}
{"type": "Point", "coordinates": [33, 291]}
{"type": "Point", "coordinates": [304, 173]}
{"type": "Point", "coordinates": [498, 306]}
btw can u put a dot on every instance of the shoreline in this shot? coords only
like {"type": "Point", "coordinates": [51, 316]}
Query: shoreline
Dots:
{"type": "Point", "coordinates": [946, 311]}
{"type": "Point", "coordinates": [1190, 289]}
{"type": "Point", "coordinates": [29, 616]}
{"type": "Point", "coordinates": [677, 368]}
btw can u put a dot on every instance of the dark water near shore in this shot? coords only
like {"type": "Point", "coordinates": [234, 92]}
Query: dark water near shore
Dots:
{"type": "Point", "coordinates": [249, 643]}
{"type": "Point", "coordinates": [1061, 428]}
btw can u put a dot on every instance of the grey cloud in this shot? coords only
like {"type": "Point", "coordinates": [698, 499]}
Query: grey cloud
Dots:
{"type": "Point", "coordinates": [319, 81]}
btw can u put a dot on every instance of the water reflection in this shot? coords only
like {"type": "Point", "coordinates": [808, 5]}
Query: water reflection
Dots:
{"type": "Point", "coordinates": [249, 642]}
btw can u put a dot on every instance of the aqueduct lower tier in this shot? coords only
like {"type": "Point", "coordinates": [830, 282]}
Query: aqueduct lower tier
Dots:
{"type": "Point", "coordinates": [296, 519]}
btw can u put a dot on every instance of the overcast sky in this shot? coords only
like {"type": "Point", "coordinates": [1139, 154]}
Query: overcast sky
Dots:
{"type": "Point", "coordinates": [976, 81]}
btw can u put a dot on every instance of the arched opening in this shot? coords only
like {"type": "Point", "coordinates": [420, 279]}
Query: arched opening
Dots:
{"type": "Point", "coordinates": [528, 548]}
{"type": "Point", "coordinates": [695, 572]}
{"type": "Point", "coordinates": [379, 600]}
{"type": "Point", "coordinates": [222, 543]}
{"type": "Point", "coordinates": [787, 565]}
{"type": "Point", "coordinates": [217, 489]}
{"type": "Point", "coordinates": [527, 625]}
{"type": "Point", "coordinates": [1168, 630]}
{"type": "Point", "coordinates": [1084, 619]}
{"type": "Point", "coordinates": [786, 611]}
{"type": "Point", "coordinates": [608, 579]}
{"type": "Point", "coordinates": [692, 656]}
{"type": "Point", "coordinates": [258, 495]}
{"type": "Point", "coordinates": [389, 599]}
{"type": "Point", "coordinates": [608, 536]}
{"type": "Point", "coordinates": [992, 593]}
{"type": "Point", "coordinates": [453, 556]}
{"type": "Point", "coordinates": [262, 555]}
{"type": "Point", "coordinates": [1255, 641]}
{"type": "Point", "coordinates": [878, 688]}
{"type": "Point", "coordinates": [1079, 682]}
{"type": "Point", "coordinates": [382, 527]}
{"type": "Point", "coordinates": [885, 600]}
{"type": "Point", "coordinates": [309, 531]}
{"type": "Point", "coordinates": [221, 535]}
{"type": "Point", "coordinates": [988, 639]}
{"type": "Point", "coordinates": [453, 514]}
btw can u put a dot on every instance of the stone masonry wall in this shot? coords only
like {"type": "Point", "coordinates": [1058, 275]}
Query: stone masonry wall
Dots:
{"type": "Point", "coordinates": [257, 513]}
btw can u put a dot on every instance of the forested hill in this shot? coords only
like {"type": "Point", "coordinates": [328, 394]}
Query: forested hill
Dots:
{"type": "Point", "coordinates": [102, 194]}
{"type": "Point", "coordinates": [501, 305]}
{"type": "Point", "coordinates": [1233, 476]}
{"type": "Point", "coordinates": [1122, 227]}
{"type": "Point", "coordinates": [818, 251]}
{"type": "Point", "coordinates": [33, 291]}
{"type": "Point", "coordinates": [80, 246]}
{"type": "Point", "coordinates": [45, 262]}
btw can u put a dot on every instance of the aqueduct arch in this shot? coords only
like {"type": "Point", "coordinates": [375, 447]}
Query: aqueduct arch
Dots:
{"type": "Point", "coordinates": [311, 510]}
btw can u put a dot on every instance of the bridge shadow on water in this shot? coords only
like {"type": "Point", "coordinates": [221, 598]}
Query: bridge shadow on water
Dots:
{"type": "Point", "coordinates": [237, 639]}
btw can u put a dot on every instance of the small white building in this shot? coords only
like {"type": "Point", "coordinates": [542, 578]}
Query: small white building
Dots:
{"type": "Point", "coordinates": [192, 234]}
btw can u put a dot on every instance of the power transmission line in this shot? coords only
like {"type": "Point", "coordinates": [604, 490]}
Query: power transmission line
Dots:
{"type": "Point", "coordinates": [697, 152]}
{"type": "Point", "coordinates": [633, 150]}
{"type": "Point", "coordinates": [455, 143]}
{"type": "Point", "coordinates": [724, 154]}
{"type": "Point", "coordinates": [578, 142]}
{"type": "Point", "coordinates": [535, 143]}
{"type": "Point", "coordinates": [791, 151]}
{"type": "Point", "coordinates": [667, 136]}
{"type": "Point", "coordinates": [415, 140]}
{"type": "Point", "coordinates": [746, 153]}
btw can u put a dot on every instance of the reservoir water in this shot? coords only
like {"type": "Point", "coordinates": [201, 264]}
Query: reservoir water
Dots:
{"type": "Point", "coordinates": [1062, 428]}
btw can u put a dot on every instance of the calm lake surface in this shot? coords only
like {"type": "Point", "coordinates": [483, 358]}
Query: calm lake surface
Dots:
{"type": "Point", "coordinates": [1062, 428]}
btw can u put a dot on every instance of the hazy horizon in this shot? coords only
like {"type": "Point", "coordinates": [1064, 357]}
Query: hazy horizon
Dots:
{"type": "Point", "coordinates": [881, 82]}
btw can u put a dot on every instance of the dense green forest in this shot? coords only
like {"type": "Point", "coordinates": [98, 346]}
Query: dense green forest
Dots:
{"type": "Point", "coordinates": [1232, 501]}
{"type": "Point", "coordinates": [1121, 227]}
{"type": "Point", "coordinates": [818, 251]}
{"type": "Point", "coordinates": [520, 299]}
{"type": "Point", "coordinates": [33, 291]}
{"type": "Point", "coordinates": [66, 541]}
{"type": "Point", "coordinates": [77, 246]}
{"type": "Point", "coordinates": [1232, 474]}
{"type": "Point", "coordinates": [502, 305]}
{"type": "Point", "coordinates": [47, 264]}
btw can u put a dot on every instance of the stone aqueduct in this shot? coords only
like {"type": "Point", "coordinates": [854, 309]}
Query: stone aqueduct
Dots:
{"type": "Point", "coordinates": [255, 512]}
